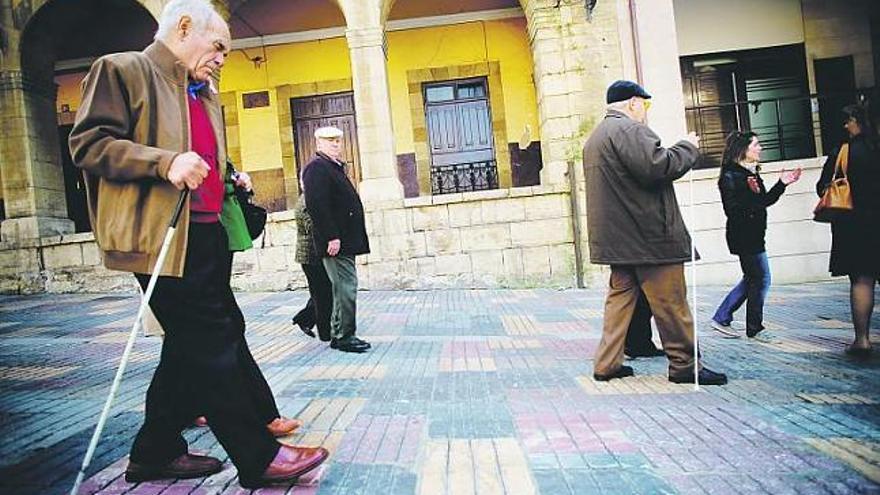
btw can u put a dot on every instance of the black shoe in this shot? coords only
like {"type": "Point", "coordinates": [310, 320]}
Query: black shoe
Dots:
{"type": "Point", "coordinates": [346, 345]}
{"type": "Point", "coordinates": [306, 329]}
{"type": "Point", "coordinates": [360, 342]}
{"type": "Point", "coordinates": [647, 352]}
{"type": "Point", "coordinates": [706, 376]}
{"type": "Point", "coordinates": [618, 373]}
{"type": "Point", "coordinates": [751, 332]}
{"type": "Point", "coordinates": [184, 467]}
{"type": "Point", "coordinates": [858, 352]}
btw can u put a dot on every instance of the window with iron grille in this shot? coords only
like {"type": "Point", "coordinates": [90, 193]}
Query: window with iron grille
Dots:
{"type": "Point", "coordinates": [459, 125]}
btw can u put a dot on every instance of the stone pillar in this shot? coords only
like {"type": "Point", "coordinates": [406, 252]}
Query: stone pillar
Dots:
{"type": "Point", "coordinates": [660, 68]}
{"type": "Point", "coordinates": [576, 56]}
{"type": "Point", "coordinates": [372, 103]}
{"type": "Point", "coordinates": [33, 182]}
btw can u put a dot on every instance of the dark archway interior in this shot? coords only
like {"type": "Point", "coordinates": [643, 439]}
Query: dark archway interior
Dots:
{"type": "Point", "coordinates": [63, 30]}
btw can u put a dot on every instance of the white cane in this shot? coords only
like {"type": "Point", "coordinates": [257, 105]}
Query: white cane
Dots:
{"type": "Point", "coordinates": [145, 301]}
{"type": "Point", "coordinates": [694, 286]}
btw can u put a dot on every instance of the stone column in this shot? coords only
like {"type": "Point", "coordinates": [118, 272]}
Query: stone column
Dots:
{"type": "Point", "coordinates": [661, 71]}
{"type": "Point", "coordinates": [372, 103]}
{"type": "Point", "coordinates": [576, 55]}
{"type": "Point", "coordinates": [33, 182]}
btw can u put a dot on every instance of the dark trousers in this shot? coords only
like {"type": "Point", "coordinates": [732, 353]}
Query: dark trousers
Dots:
{"type": "Point", "coordinates": [638, 336]}
{"type": "Point", "coordinates": [205, 366]}
{"type": "Point", "coordinates": [342, 272]}
{"type": "Point", "coordinates": [260, 393]}
{"type": "Point", "coordinates": [320, 305]}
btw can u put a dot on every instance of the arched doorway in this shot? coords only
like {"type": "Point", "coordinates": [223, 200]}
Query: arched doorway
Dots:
{"type": "Point", "coordinates": [58, 45]}
{"type": "Point", "coordinates": [290, 71]}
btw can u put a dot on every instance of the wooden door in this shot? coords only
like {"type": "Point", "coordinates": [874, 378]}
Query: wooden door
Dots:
{"type": "Point", "coordinates": [336, 110]}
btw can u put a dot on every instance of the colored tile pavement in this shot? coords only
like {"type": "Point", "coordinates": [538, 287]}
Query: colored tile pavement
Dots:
{"type": "Point", "coordinates": [467, 392]}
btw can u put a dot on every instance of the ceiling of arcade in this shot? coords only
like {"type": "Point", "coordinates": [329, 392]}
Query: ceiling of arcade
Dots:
{"type": "Point", "coordinates": [265, 17]}
{"type": "Point", "coordinates": [408, 9]}
{"type": "Point", "coordinates": [69, 28]}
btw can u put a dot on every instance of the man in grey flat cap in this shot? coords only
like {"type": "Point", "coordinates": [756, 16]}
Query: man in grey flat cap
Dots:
{"type": "Point", "coordinates": [339, 233]}
{"type": "Point", "coordinates": [635, 226]}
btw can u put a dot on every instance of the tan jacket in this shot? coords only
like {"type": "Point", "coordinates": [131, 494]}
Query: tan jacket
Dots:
{"type": "Point", "coordinates": [133, 121]}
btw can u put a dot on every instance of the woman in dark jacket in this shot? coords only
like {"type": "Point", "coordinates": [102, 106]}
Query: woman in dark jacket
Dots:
{"type": "Point", "coordinates": [745, 201]}
{"type": "Point", "coordinates": [320, 304]}
{"type": "Point", "coordinates": [855, 240]}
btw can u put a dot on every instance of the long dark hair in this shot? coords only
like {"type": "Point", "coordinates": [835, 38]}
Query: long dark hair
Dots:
{"type": "Point", "coordinates": [860, 114]}
{"type": "Point", "coordinates": [735, 147]}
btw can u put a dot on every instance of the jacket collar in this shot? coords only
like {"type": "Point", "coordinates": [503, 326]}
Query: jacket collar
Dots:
{"type": "Point", "coordinates": [617, 114]}
{"type": "Point", "coordinates": [168, 64]}
{"type": "Point", "coordinates": [331, 160]}
{"type": "Point", "coordinates": [740, 168]}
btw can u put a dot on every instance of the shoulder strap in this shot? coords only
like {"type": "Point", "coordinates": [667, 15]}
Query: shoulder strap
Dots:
{"type": "Point", "coordinates": [842, 160]}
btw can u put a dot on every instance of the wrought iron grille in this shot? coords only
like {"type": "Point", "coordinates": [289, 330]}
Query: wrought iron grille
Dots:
{"type": "Point", "coordinates": [464, 177]}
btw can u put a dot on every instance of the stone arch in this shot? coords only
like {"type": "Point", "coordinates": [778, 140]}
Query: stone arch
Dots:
{"type": "Point", "coordinates": [36, 188]}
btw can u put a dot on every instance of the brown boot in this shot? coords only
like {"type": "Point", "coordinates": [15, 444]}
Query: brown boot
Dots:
{"type": "Point", "coordinates": [289, 464]}
{"type": "Point", "coordinates": [185, 466]}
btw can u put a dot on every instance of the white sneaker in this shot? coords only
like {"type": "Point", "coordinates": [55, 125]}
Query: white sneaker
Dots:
{"type": "Point", "coordinates": [725, 330]}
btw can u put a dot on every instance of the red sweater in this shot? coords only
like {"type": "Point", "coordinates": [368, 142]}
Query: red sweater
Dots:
{"type": "Point", "coordinates": [207, 200]}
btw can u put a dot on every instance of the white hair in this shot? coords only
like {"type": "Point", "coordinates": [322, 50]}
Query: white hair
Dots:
{"type": "Point", "coordinates": [200, 11]}
{"type": "Point", "coordinates": [619, 105]}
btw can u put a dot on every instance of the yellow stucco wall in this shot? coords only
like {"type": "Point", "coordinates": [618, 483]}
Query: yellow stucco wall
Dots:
{"type": "Point", "coordinates": [69, 90]}
{"type": "Point", "coordinates": [504, 41]}
{"type": "Point", "coordinates": [293, 63]}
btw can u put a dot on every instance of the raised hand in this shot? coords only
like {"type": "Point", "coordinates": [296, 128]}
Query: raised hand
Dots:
{"type": "Point", "coordinates": [790, 176]}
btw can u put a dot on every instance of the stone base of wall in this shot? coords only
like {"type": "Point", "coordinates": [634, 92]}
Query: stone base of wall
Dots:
{"type": "Point", "coordinates": [520, 237]}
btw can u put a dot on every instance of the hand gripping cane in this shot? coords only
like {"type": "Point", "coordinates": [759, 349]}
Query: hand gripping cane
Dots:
{"type": "Point", "coordinates": [172, 226]}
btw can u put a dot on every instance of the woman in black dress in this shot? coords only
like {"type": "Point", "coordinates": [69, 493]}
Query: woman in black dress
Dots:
{"type": "Point", "coordinates": [855, 240]}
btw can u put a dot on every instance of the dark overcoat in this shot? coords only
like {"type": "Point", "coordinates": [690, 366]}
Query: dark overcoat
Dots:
{"type": "Point", "coordinates": [633, 216]}
{"type": "Point", "coordinates": [335, 207]}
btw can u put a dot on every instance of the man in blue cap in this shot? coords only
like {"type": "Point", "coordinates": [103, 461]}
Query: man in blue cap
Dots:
{"type": "Point", "coordinates": [636, 227]}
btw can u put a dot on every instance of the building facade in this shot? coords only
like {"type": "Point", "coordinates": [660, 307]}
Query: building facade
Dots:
{"type": "Point", "coordinates": [464, 121]}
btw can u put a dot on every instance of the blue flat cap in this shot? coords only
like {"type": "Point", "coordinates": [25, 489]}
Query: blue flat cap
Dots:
{"type": "Point", "coordinates": [624, 90]}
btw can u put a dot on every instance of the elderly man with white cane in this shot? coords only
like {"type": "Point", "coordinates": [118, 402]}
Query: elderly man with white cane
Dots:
{"type": "Point", "coordinates": [150, 127]}
{"type": "Point", "coordinates": [636, 227]}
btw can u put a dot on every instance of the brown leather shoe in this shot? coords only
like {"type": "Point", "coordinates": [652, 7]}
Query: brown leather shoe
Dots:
{"type": "Point", "coordinates": [289, 464]}
{"type": "Point", "coordinates": [185, 466]}
{"type": "Point", "coordinates": [280, 427]}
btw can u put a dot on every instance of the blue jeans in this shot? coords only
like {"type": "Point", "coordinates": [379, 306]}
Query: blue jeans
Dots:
{"type": "Point", "coordinates": [752, 288]}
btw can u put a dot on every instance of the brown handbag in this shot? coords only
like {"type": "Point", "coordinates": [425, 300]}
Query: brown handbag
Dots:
{"type": "Point", "coordinates": [837, 197]}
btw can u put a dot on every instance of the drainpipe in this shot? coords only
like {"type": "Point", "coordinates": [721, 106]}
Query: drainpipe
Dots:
{"type": "Point", "coordinates": [634, 30]}
{"type": "Point", "coordinates": [576, 226]}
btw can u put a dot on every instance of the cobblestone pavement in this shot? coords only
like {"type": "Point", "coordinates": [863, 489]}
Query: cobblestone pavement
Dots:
{"type": "Point", "coordinates": [484, 392]}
